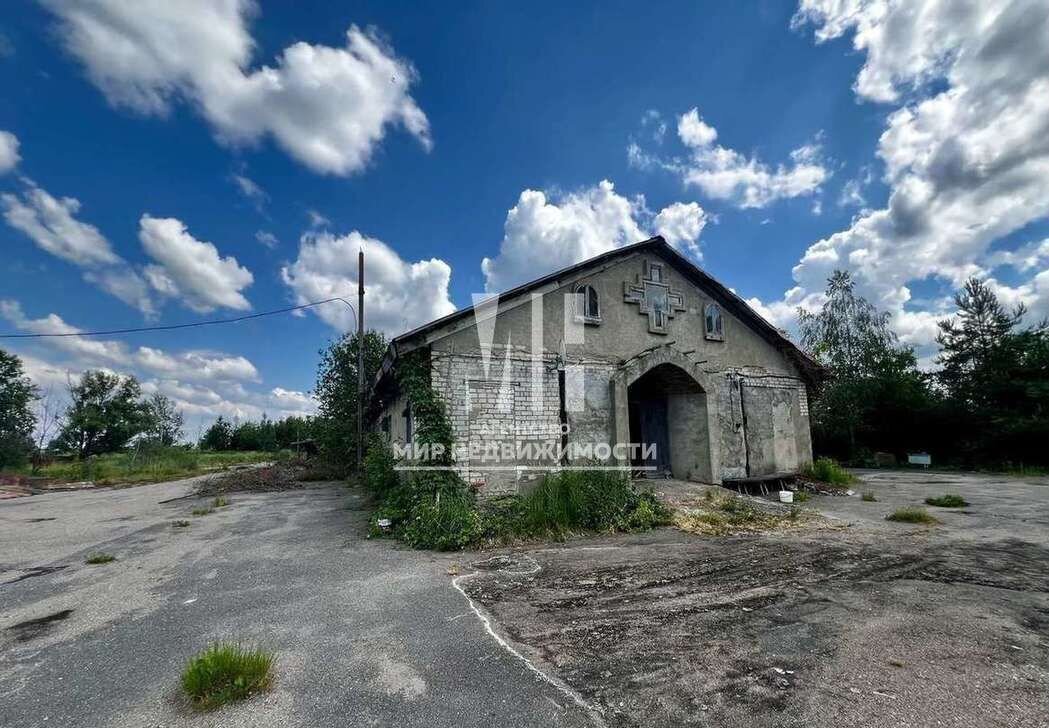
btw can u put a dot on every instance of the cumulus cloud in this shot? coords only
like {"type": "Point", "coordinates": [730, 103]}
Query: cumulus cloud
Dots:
{"type": "Point", "coordinates": [52, 224]}
{"type": "Point", "coordinates": [204, 384]}
{"type": "Point", "coordinates": [190, 269]}
{"type": "Point", "coordinates": [327, 107]}
{"type": "Point", "coordinates": [726, 174]}
{"type": "Point", "coordinates": [966, 154]}
{"type": "Point", "coordinates": [400, 294]}
{"type": "Point", "coordinates": [543, 234]}
{"type": "Point", "coordinates": [9, 157]}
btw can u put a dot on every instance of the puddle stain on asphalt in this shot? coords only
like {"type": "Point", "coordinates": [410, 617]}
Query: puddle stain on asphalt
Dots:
{"type": "Point", "coordinates": [33, 628]}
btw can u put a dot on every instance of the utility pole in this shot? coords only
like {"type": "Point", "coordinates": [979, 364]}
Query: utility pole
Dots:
{"type": "Point", "coordinates": [360, 361]}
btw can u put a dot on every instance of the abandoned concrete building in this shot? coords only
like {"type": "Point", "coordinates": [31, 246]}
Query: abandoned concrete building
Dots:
{"type": "Point", "coordinates": [635, 358]}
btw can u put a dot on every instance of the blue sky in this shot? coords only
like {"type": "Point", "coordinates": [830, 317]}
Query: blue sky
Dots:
{"type": "Point", "coordinates": [226, 157]}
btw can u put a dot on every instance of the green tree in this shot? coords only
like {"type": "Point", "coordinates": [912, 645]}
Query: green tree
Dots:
{"type": "Point", "coordinates": [17, 394]}
{"type": "Point", "coordinates": [875, 395]}
{"type": "Point", "coordinates": [336, 393]}
{"type": "Point", "coordinates": [164, 420]}
{"type": "Point", "coordinates": [104, 414]}
{"type": "Point", "coordinates": [219, 436]}
{"type": "Point", "coordinates": [972, 343]}
{"type": "Point", "coordinates": [996, 379]}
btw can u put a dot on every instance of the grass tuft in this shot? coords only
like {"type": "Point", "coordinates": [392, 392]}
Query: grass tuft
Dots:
{"type": "Point", "coordinates": [869, 497]}
{"type": "Point", "coordinates": [225, 672]}
{"type": "Point", "coordinates": [100, 558]}
{"type": "Point", "coordinates": [827, 470]}
{"type": "Point", "coordinates": [911, 515]}
{"type": "Point", "coordinates": [220, 502]}
{"type": "Point", "coordinates": [202, 511]}
{"type": "Point", "coordinates": [947, 500]}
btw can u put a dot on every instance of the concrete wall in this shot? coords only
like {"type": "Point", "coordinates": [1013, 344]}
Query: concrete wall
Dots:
{"type": "Point", "coordinates": [741, 373]}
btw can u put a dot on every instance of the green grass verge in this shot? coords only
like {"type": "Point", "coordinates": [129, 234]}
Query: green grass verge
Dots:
{"type": "Point", "coordinates": [225, 672]}
{"type": "Point", "coordinates": [100, 558]}
{"type": "Point", "coordinates": [947, 500]}
{"type": "Point", "coordinates": [151, 466]}
{"type": "Point", "coordinates": [911, 515]}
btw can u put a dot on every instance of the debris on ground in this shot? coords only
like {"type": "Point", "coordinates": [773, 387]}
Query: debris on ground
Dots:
{"type": "Point", "coordinates": [277, 477]}
{"type": "Point", "coordinates": [720, 515]}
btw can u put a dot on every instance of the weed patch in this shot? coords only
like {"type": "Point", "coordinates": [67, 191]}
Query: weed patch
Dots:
{"type": "Point", "coordinates": [827, 470]}
{"type": "Point", "coordinates": [911, 515]}
{"type": "Point", "coordinates": [947, 500]}
{"type": "Point", "coordinates": [225, 672]}
{"type": "Point", "coordinates": [220, 502]}
{"type": "Point", "coordinates": [721, 516]}
{"type": "Point", "coordinates": [202, 511]}
{"type": "Point", "coordinates": [869, 497]}
{"type": "Point", "coordinates": [100, 558]}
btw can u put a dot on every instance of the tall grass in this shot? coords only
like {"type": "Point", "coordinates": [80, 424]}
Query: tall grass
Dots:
{"type": "Point", "coordinates": [589, 500]}
{"type": "Point", "coordinates": [827, 470]}
{"type": "Point", "coordinates": [148, 465]}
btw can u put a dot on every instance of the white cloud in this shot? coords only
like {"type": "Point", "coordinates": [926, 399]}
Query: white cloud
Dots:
{"type": "Point", "coordinates": [327, 107]}
{"type": "Point", "coordinates": [9, 157]}
{"type": "Point", "coordinates": [204, 384]}
{"type": "Point", "coordinates": [89, 349]}
{"type": "Point", "coordinates": [267, 239]}
{"type": "Point", "coordinates": [399, 295]}
{"type": "Point", "coordinates": [966, 154]}
{"type": "Point", "coordinates": [681, 224]}
{"type": "Point", "coordinates": [192, 269]}
{"type": "Point", "coordinates": [542, 235]}
{"type": "Point", "coordinates": [52, 225]}
{"type": "Point", "coordinates": [726, 174]}
{"type": "Point", "coordinates": [196, 365]}
{"type": "Point", "coordinates": [251, 190]}
{"type": "Point", "coordinates": [317, 219]}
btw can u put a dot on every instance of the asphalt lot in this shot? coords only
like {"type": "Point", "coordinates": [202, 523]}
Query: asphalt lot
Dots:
{"type": "Point", "coordinates": [854, 622]}
{"type": "Point", "coordinates": [366, 633]}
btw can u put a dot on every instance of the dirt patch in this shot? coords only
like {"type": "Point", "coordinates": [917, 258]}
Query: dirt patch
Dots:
{"type": "Point", "coordinates": [785, 630]}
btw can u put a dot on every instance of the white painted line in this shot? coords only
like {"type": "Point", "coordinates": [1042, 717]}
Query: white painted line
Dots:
{"type": "Point", "coordinates": [564, 689]}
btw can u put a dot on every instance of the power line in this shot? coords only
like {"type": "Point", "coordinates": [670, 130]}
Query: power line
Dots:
{"type": "Point", "coordinates": [171, 327]}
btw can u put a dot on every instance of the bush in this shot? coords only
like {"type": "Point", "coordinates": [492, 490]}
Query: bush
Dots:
{"type": "Point", "coordinates": [911, 515]}
{"type": "Point", "coordinates": [224, 672]}
{"type": "Point", "coordinates": [827, 470]}
{"type": "Point", "coordinates": [379, 476]}
{"type": "Point", "coordinates": [443, 521]}
{"type": "Point", "coordinates": [100, 558]}
{"type": "Point", "coordinates": [947, 501]}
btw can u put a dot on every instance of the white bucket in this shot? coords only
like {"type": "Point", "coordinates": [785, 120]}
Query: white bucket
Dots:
{"type": "Point", "coordinates": [786, 496]}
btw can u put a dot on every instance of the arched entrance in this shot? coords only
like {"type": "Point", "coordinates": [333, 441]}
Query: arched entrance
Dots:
{"type": "Point", "coordinates": [667, 410]}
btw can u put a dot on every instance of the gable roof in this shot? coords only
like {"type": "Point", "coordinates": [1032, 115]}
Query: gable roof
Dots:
{"type": "Point", "coordinates": [728, 300]}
